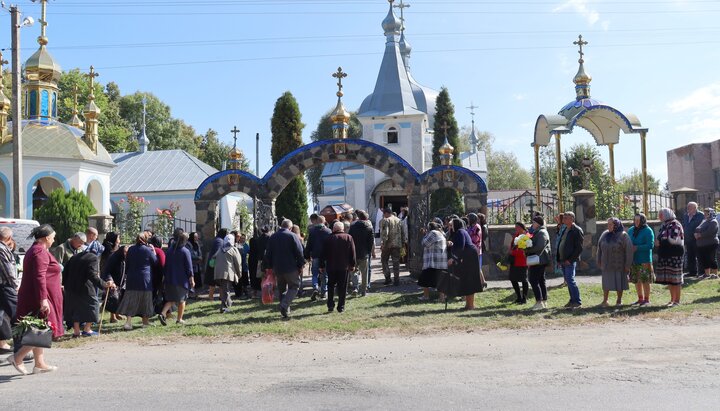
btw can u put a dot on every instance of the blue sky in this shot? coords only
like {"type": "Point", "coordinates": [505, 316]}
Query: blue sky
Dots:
{"type": "Point", "coordinates": [224, 63]}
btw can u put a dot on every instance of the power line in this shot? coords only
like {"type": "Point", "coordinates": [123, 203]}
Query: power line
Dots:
{"type": "Point", "coordinates": [250, 59]}
{"type": "Point", "coordinates": [223, 42]}
{"type": "Point", "coordinates": [335, 13]}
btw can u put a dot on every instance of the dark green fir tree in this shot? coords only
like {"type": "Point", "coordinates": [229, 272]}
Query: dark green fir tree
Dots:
{"type": "Point", "coordinates": [286, 127]}
{"type": "Point", "coordinates": [445, 201]}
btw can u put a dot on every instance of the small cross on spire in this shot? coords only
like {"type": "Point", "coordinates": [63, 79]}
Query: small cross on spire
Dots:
{"type": "Point", "coordinates": [472, 111]}
{"type": "Point", "coordinates": [402, 6]}
{"type": "Point", "coordinates": [446, 128]}
{"type": "Point", "coordinates": [339, 75]}
{"type": "Point", "coordinates": [92, 76]}
{"type": "Point", "coordinates": [235, 132]}
{"type": "Point", "coordinates": [580, 43]}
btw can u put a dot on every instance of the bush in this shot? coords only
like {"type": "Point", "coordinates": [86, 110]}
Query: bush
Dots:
{"type": "Point", "coordinates": [67, 212]}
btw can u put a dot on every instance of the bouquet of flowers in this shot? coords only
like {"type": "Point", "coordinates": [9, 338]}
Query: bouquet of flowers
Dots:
{"type": "Point", "coordinates": [33, 331]}
{"type": "Point", "coordinates": [523, 241]}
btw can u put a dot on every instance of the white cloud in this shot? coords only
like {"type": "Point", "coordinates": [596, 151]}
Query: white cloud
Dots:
{"type": "Point", "coordinates": [699, 113]}
{"type": "Point", "coordinates": [581, 7]}
{"type": "Point", "coordinates": [520, 97]}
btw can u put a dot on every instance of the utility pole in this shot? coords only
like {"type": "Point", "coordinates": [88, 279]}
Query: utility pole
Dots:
{"type": "Point", "coordinates": [18, 195]}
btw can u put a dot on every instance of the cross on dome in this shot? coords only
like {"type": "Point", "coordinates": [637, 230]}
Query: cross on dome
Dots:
{"type": "Point", "coordinates": [581, 43]}
{"type": "Point", "coordinates": [339, 74]}
{"type": "Point", "coordinates": [235, 132]}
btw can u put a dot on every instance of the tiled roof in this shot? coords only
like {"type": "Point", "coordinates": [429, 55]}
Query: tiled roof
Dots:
{"type": "Point", "coordinates": [157, 171]}
{"type": "Point", "coordinates": [49, 138]}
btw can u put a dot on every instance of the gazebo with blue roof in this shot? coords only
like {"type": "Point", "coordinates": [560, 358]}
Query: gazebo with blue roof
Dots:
{"type": "Point", "coordinates": [601, 120]}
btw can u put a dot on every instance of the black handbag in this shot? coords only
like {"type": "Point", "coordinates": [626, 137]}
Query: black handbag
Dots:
{"type": "Point", "coordinates": [36, 337]}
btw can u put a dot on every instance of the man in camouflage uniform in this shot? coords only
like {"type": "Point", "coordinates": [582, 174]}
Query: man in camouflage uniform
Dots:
{"type": "Point", "coordinates": [392, 240]}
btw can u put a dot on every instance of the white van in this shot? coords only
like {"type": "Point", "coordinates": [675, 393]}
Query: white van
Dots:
{"type": "Point", "coordinates": [21, 230]}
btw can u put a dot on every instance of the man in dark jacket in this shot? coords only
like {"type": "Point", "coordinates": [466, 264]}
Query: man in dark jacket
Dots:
{"type": "Point", "coordinates": [691, 220]}
{"type": "Point", "coordinates": [284, 254]}
{"type": "Point", "coordinates": [338, 260]}
{"type": "Point", "coordinates": [362, 233]}
{"type": "Point", "coordinates": [568, 255]}
{"type": "Point", "coordinates": [317, 234]}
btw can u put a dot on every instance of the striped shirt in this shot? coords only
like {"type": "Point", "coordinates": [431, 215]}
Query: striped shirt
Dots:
{"type": "Point", "coordinates": [434, 251]}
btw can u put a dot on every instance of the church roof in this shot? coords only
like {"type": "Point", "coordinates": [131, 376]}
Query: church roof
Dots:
{"type": "Point", "coordinates": [157, 171]}
{"type": "Point", "coordinates": [52, 139]}
{"type": "Point", "coordinates": [474, 161]}
{"type": "Point", "coordinates": [395, 92]}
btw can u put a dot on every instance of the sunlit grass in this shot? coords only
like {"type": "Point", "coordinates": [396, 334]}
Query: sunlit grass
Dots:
{"type": "Point", "coordinates": [403, 314]}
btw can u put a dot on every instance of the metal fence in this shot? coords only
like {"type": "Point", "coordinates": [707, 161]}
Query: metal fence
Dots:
{"type": "Point", "coordinates": [626, 205]}
{"type": "Point", "coordinates": [161, 225]}
{"type": "Point", "coordinates": [709, 199]}
{"type": "Point", "coordinates": [524, 206]}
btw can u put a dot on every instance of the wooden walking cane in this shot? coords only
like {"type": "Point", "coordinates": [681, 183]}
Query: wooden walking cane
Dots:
{"type": "Point", "coordinates": [102, 314]}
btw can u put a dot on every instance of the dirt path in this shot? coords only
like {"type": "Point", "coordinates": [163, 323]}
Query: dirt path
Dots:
{"type": "Point", "coordinates": [625, 365]}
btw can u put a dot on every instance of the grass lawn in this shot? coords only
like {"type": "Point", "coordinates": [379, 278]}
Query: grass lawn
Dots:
{"type": "Point", "coordinates": [402, 313]}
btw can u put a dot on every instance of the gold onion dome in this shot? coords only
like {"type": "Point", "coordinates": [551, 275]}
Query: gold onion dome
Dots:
{"type": "Point", "coordinates": [446, 148]}
{"type": "Point", "coordinates": [582, 78]}
{"type": "Point", "coordinates": [41, 66]}
{"type": "Point", "coordinates": [340, 114]}
{"type": "Point", "coordinates": [235, 154]}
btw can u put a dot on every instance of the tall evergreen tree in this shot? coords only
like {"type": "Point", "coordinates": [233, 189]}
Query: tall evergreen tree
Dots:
{"type": "Point", "coordinates": [286, 127]}
{"type": "Point", "coordinates": [445, 200]}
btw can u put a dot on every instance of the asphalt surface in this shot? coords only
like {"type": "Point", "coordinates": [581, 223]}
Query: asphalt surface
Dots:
{"type": "Point", "coordinates": [628, 365]}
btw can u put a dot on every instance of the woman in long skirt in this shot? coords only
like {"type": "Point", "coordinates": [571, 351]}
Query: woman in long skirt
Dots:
{"type": "Point", "coordinates": [671, 253]}
{"type": "Point", "coordinates": [614, 257]}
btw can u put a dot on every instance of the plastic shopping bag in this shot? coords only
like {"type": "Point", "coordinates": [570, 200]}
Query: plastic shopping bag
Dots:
{"type": "Point", "coordinates": [268, 287]}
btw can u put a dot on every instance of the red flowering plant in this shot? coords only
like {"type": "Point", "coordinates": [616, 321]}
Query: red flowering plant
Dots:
{"type": "Point", "coordinates": [164, 223]}
{"type": "Point", "coordinates": [129, 217]}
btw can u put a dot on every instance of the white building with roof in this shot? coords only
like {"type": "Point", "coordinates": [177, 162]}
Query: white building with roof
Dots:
{"type": "Point", "coordinates": [54, 155]}
{"type": "Point", "coordinates": [399, 114]}
{"type": "Point", "coordinates": [166, 179]}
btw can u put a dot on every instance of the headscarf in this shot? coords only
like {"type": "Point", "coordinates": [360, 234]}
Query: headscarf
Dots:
{"type": "Point", "coordinates": [228, 243]}
{"type": "Point", "coordinates": [643, 224]}
{"type": "Point", "coordinates": [668, 213]}
{"type": "Point", "coordinates": [41, 231]}
{"type": "Point", "coordinates": [472, 219]}
{"type": "Point", "coordinates": [614, 235]}
{"type": "Point", "coordinates": [712, 213]}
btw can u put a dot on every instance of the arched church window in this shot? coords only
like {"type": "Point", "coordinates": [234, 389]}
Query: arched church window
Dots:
{"type": "Point", "coordinates": [44, 103]}
{"type": "Point", "coordinates": [392, 135]}
{"type": "Point", "coordinates": [54, 104]}
{"type": "Point", "coordinates": [32, 112]}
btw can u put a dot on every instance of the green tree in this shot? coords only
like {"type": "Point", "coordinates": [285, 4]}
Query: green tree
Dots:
{"type": "Point", "coordinates": [324, 132]}
{"type": "Point", "coordinates": [445, 199]}
{"type": "Point", "coordinates": [214, 152]}
{"type": "Point", "coordinates": [286, 127]}
{"type": "Point", "coordinates": [115, 132]}
{"type": "Point", "coordinates": [505, 172]}
{"type": "Point", "coordinates": [67, 212]}
{"type": "Point", "coordinates": [242, 220]}
{"type": "Point", "coordinates": [633, 183]}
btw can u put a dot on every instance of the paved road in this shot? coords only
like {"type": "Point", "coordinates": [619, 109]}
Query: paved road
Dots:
{"type": "Point", "coordinates": [625, 365]}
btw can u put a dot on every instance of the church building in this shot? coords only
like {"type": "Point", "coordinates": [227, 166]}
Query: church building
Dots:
{"type": "Point", "coordinates": [54, 155]}
{"type": "Point", "coordinates": [399, 114]}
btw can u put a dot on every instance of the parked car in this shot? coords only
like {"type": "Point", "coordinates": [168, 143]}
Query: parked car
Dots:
{"type": "Point", "coordinates": [21, 231]}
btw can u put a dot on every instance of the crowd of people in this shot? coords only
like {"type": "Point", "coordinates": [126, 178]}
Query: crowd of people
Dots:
{"type": "Point", "coordinates": [68, 283]}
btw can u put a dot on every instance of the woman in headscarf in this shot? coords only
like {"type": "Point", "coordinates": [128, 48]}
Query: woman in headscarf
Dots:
{"type": "Point", "coordinates": [178, 278]}
{"type": "Point", "coordinates": [110, 245]}
{"type": "Point", "coordinates": [228, 268]}
{"type": "Point", "coordinates": [434, 259]}
{"type": "Point", "coordinates": [669, 269]}
{"type": "Point", "coordinates": [138, 299]}
{"type": "Point", "coordinates": [641, 271]}
{"type": "Point", "coordinates": [465, 263]}
{"type": "Point", "coordinates": [475, 231]}
{"type": "Point", "coordinates": [114, 271]}
{"type": "Point", "coordinates": [40, 294]}
{"type": "Point", "coordinates": [706, 237]}
{"type": "Point", "coordinates": [614, 257]}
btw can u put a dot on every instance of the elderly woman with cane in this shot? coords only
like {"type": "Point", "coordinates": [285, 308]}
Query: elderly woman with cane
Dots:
{"type": "Point", "coordinates": [81, 282]}
{"type": "Point", "coordinates": [40, 294]}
